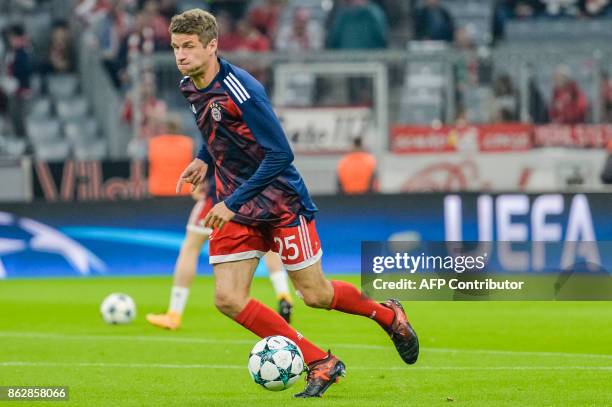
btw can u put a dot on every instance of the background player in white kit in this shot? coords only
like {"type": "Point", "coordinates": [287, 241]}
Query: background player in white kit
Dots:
{"type": "Point", "coordinates": [187, 263]}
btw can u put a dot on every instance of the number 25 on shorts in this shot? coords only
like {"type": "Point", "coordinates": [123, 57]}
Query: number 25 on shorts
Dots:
{"type": "Point", "coordinates": [288, 250]}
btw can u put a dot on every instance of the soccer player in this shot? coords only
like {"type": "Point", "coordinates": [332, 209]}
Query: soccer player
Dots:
{"type": "Point", "coordinates": [187, 262]}
{"type": "Point", "coordinates": [264, 204]}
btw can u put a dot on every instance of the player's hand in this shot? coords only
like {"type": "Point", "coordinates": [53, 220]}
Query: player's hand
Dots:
{"type": "Point", "coordinates": [193, 174]}
{"type": "Point", "coordinates": [218, 216]}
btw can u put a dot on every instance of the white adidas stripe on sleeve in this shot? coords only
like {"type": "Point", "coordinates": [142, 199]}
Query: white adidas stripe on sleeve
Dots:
{"type": "Point", "coordinates": [231, 75]}
{"type": "Point", "coordinates": [230, 86]}
{"type": "Point", "coordinates": [238, 87]}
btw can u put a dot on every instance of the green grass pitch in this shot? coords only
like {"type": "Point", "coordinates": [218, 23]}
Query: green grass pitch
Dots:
{"type": "Point", "coordinates": [472, 353]}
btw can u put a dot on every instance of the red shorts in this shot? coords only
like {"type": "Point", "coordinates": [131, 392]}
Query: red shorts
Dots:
{"type": "Point", "coordinates": [198, 213]}
{"type": "Point", "coordinates": [298, 246]}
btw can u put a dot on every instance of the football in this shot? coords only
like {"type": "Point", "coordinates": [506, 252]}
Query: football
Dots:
{"type": "Point", "coordinates": [275, 363]}
{"type": "Point", "coordinates": [118, 308]}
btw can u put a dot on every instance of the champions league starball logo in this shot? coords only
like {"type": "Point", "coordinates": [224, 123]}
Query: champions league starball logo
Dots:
{"type": "Point", "coordinates": [26, 237]}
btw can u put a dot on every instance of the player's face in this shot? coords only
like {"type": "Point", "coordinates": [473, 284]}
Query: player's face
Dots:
{"type": "Point", "coordinates": [192, 57]}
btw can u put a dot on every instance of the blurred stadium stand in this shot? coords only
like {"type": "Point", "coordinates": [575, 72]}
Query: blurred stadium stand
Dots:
{"type": "Point", "coordinates": [499, 67]}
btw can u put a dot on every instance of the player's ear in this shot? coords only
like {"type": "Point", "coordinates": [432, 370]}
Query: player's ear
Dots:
{"type": "Point", "coordinates": [212, 45]}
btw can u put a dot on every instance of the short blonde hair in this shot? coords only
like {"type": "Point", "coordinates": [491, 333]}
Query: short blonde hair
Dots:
{"type": "Point", "coordinates": [195, 21]}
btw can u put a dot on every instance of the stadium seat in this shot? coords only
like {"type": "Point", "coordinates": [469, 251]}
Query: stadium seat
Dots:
{"type": "Point", "coordinates": [477, 102]}
{"type": "Point", "coordinates": [58, 150]}
{"type": "Point", "coordinates": [81, 129]}
{"type": "Point", "coordinates": [419, 113]}
{"type": "Point", "coordinates": [190, 127]}
{"type": "Point", "coordinates": [137, 149]}
{"type": "Point", "coordinates": [11, 146]}
{"type": "Point", "coordinates": [90, 149]}
{"type": "Point", "coordinates": [185, 5]}
{"type": "Point", "coordinates": [425, 81]}
{"type": "Point", "coordinates": [422, 101]}
{"type": "Point", "coordinates": [475, 17]}
{"type": "Point", "coordinates": [558, 31]}
{"type": "Point", "coordinates": [40, 108]}
{"type": "Point", "coordinates": [426, 68]}
{"type": "Point", "coordinates": [38, 26]}
{"type": "Point", "coordinates": [3, 126]}
{"type": "Point", "coordinates": [36, 84]}
{"type": "Point", "coordinates": [63, 86]}
{"type": "Point", "coordinates": [42, 130]}
{"type": "Point", "coordinates": [73, 108]}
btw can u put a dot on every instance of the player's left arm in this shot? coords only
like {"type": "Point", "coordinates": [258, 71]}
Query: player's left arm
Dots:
{"type": "Point", "coordinates": [260, 118]}
{"type": "Point", "coordinates": [265, 126]}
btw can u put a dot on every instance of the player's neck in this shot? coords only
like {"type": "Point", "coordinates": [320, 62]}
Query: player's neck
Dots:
{"type": "Point", "coordinates": [205, 78]}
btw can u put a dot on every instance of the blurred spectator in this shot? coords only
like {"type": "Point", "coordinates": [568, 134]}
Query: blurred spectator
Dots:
{"type": "Point", "coordinates": [3, 42]}
{"type": "Point", "coordinates": [264, 17]}
{"type": "Point", "coordinates": [538, 112]}
{"type": "Point", "coordinates": [303, 34]}
{"type": "Point", "coordinates": [158, 23]}
{"type": "Point", "coordinates": [464, 40]}
{"type": "Point", "coordinates": [148, 32]}
{"type": "Point", "coordinates": [152, 110]}
{"type": "Point", "coordinates": [606, 94]}
{"type": "Point", "coordinates": [59, 53]}
{"type": "Point", "coordinates": [133, 41]}
{"type": "Point", "coordinates": [16, 83]}
{"type": "Point", "coordinates": [606, 174]}
{"type": "Point", "coordinates": [90, 12]}
{"type": "Point", "coordinates": [228, 39]}
{"type": "Point", "coordinates": [168, 8]}
{"type": "Point", "coordinates": [557, 8]}
{"type": "Point", "coordinates": [249, 39]}
{"type": "Point", "coordinates": [433, 22]}
{"type": "Point", "coordinates": [111, 32]}
{"type": "Point", "coordinates": [3, 77]}
{"type": "Point", "coordinates": [504, 99]}
{"type": "Point", "coordinates": [513, 9]}
{"type": "Point", "coordinates": [359, 24]}
{"type": "Point", "coordinates": [19, 59]}
{"type": "Point", "coordinates": [568, 104]}
{"type": "Point", "coordinates": [523, 9]}
{"type": "Point", "coordinates": [3, 107]}
{"type": "Point", "coordinates": [357, 171]}
{"type": "Point", "coordinates": [593, 8]}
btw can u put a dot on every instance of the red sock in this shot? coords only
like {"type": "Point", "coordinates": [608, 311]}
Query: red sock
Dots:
{"type": "Point", "coordinates": [349, 299]}
{"type": "Point", "coordinates": [262, 321]}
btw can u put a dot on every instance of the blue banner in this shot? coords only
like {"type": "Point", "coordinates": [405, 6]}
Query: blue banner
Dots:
{"type": "Point", "coordinates": [144, 237]}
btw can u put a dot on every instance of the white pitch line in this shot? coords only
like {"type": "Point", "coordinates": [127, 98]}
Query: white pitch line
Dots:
{"type": "Point", "coordinates": [357, 368]}
{"type": "Point", "coordinates": [126, 365]}
{"type": "Point", "coordinates": [79, 337]}
{"type": "Point", "coordinates": [193, 340]}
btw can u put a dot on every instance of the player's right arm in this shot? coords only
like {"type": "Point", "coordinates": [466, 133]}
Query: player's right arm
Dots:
{"type": "Point", "coordinates": [195, 171]}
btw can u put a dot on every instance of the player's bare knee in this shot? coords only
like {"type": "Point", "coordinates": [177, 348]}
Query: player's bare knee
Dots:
{"type": "Point", "coordinates": [228, 304]}
{"type": "Point", "coordinates": [316, 299]}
